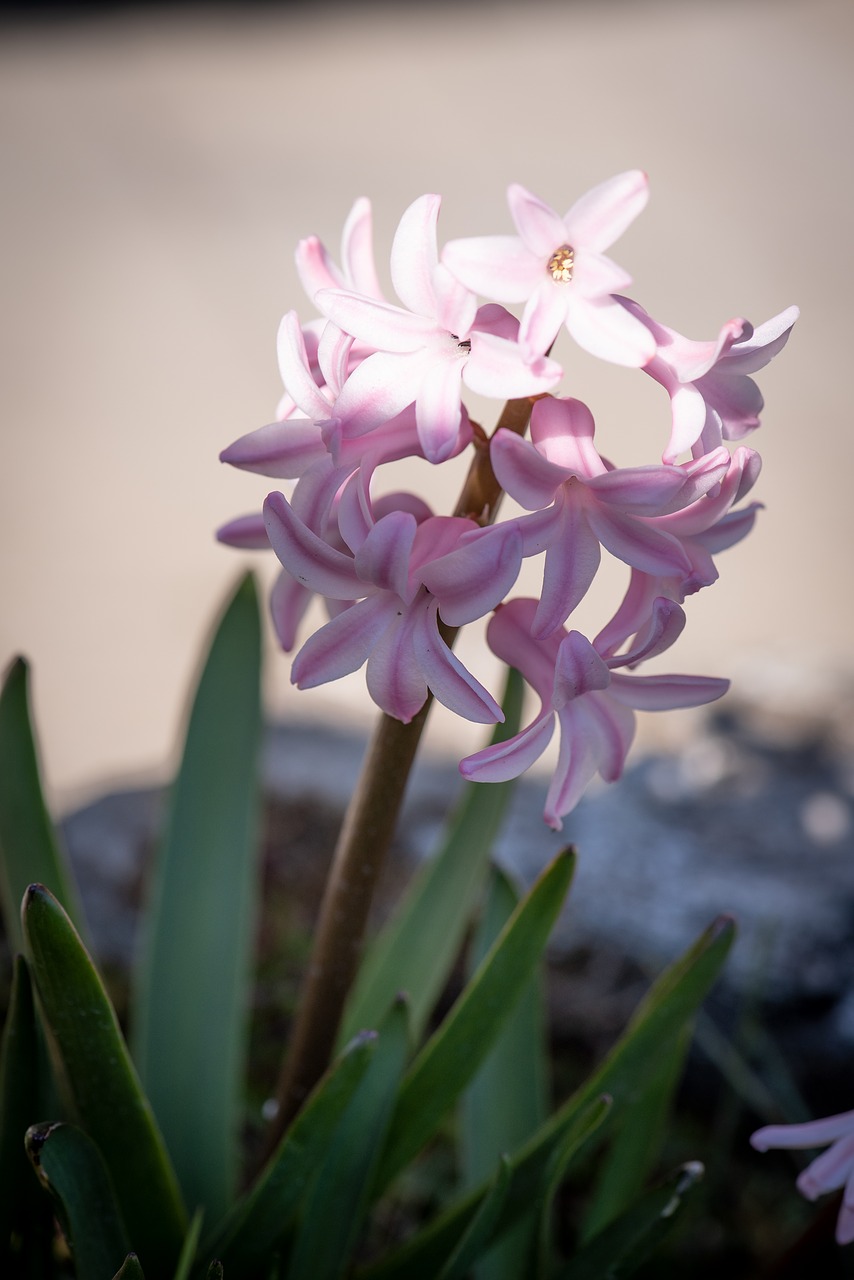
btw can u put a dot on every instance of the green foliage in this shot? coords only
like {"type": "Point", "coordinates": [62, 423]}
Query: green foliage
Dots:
{"type": "Point", "coordinates": [70, 1166]}
{"type": "Point", "coordinates": [191, 1010]}
{"type": "Point", "coordinates": [316, 1206]}
{"type": "Point", "coordinates": [29, 848]}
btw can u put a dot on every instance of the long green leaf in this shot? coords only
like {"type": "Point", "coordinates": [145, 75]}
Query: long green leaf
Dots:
{"type": "Point", "coordinates": [245, 1242]}
{"type": "Point", "coordinates": [102, 1087]}
{"type": "Point", "coordinates": [452, 1056]}
{"type": "Point", "coordinates": [29, 848]}
{"type": "Point", "coordinates": [337, 1203]}
{"type": "Point", "coordinates": [626, 1243]}
{"type": "Point", "coordinates": [637, 1143]}
{"type": "Point", "coordinates": [418, 947]}
{"type": "Point", "coordinates": [24, 1209]}
{"type": "Point", "coordinates": [189, 1247]}
{"type": "Point", "coordinates": [563, 1136]}
{"type": "Point", "coordinates": [191, 1006]}
{"type": "Point", "coordinates": [70, 1167]}
{"type": "Point", "coordinates": [507, 1100]}
{"type": "Point", "coordinates": [482, 1227]}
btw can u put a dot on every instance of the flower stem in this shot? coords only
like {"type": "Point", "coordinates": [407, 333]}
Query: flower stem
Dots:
{"type": "Point", "coordinates": [363, 842]}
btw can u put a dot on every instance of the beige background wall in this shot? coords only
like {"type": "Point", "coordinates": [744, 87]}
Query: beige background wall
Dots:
{"type": "Point", "coordinates": [157, 172]}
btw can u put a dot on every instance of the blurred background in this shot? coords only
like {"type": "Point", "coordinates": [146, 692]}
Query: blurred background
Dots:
{"type": "Point", "coordinates": [158, 166]}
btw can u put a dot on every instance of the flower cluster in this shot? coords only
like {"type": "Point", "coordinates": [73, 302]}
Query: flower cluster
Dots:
{"type": "Point", "coordinates": [373, 381]}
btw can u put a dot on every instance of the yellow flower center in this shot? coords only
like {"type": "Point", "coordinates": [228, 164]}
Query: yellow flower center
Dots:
{"type": "Point", "coordinates": [561, 263]}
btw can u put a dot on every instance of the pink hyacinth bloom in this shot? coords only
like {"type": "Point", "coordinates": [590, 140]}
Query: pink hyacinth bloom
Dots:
{"type": "Point", "coordinates": [712, 396]}
{"type": "Point", "coordinates": [831, 1170]}
{"type": "Point", "coordinates": [590, 700]}
{"type": "Point", "coordinates": [425, 350]}
{"type": "Point", "coordinates": [703, 529]}
{"type": "Point", "coordinates": [389, 584]}
{"type": "Point", "coordinates": [557, 267]}
{"type": "Point", "coordinates": [579, 502]}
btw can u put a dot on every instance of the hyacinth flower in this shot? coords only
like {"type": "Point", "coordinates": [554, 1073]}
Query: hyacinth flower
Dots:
{"type": "Point", "coordinates": [712, 396]}
{"type": "Point", "coordinates": [397, 579]}
{"type": "Point", "coordinates": [703, 529]}
{"type": "Point", "coordinates": [558, 268]}
{"type": "Point", "coordinates": [831, 1170]}
{"type": "Point", "coordinates": [582, 504]}
{"type": "Point", "coordinates": [587, 696]}
{"type": "Point", "coordinates": [374, 381]}
{"type": "Point", "coordinates": [425, 350]}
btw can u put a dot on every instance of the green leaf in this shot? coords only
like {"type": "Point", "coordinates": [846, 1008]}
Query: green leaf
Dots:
{"type": "Point", "coordinates": [246, 1240]}
{"type": "Point", "coordinates": [507, 1100]}
{"type": "Point", "coordinates": [192, 997]}
{"type": "Point", "coordinates": [417, 949]}
{"type": "Point", "coordinates": [626, 1243]}
{"type": "Point", "coordinates": [451, 1057]}
{"type": "Point", "coordinates": [637, 1143]}
{"type": "Point", "coordinates": [24, 1210]}
{"type": "Point", "coordinates": [70, 1167]}
{"type": "Point", "coordinates": [131, 1269]}
{"type": "Point", "coordinates": [480, 1231]}
{"type": "Point", "coordinates": [338, 1200]}
{"type": "Point", "coordinates": [531, 1170]}
{"type": "Point", "coordinates": [188, 1249]}
{"type": "Point", "coordinates": [29, 848]}
{"type": "Point", "coordinates": [667, 1006]}
{"type": "Point", "coordinates": [102, 1088]}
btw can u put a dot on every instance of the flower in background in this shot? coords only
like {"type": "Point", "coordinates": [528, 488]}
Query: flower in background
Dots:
{"type": "Point", "coordinates": [831, 1170]}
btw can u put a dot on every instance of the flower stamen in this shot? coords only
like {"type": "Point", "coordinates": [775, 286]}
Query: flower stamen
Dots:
{"type": "Point", "coordinates": [561, 264]}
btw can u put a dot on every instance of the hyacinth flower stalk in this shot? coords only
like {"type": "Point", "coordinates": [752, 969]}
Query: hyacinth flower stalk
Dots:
{"type": "Point", "coordinates": [368, 382]}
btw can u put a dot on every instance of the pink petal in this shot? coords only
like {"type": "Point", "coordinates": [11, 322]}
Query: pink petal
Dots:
{"type": "Point", "coordinates": [579, 670]}
{"type": "Point", "coordinates": [343, 645]}
{"type": "Point", "coordinates": [829, 1171]}
{"type": "Point", "coordinates": [414, 256]}
{"type": "Point", "coordinates": [315, 268]}
{"type": "Point", "coordinates": [510, 759]}
{"type": "Point", "coordinates": [438, 409]}
{"type": "Point", "coordinates": [595, 276]}
{"type": "Point", "coordinates": [245, 532]}
{"type": "Point", "coordinates": [767, 341]}
{"type": "Point", "coordinates": [471, 580]}
{"type": "Point", "coordinates": [663, 693]}
{"type": "Point", "coordinates": [295, 371]}
{"type": "Point", "coordinates": [382, 326]}
{"type": "Point", "coordinates": [570, 567]}
{"type": "Point", "coordinates": [383, 558]}
{"type": "Point", "coordinates": [509, 638]}
{"type": "Point", "coordinates": [609, 331]}
{"type": "Point", "coordinates": [577, 764]}
{"type": "Point", "coordinates": [665, 624]}
{"type": "Point", "coordinates": [813, 1133]}
{"type": "Point", "coordinates": [545, 312]}
{"type": "Point", "coordinates": [562, 429]}
{"type": "Point", "coordinates": [638, 543]}
{"type": "Point", "coordinates": [306, 556]}
{"type": "Point", "coordinates": [601, 216]}
{"type": "Point", "coordinates": [357, 253]}
{"type": "Point", "coordinates": [289, 600]}
{"type": "Point", "coordinates": [499, 267]}
{"type": "Point", "coordinates": [446, 676]}
{"type": "Point", "coordinates": [522, 471]}
{"type": "Point", "coordinates": [395, 679]}
{"type": "Point", "coordinates": [279, 449]}
{"type": "Point", "coordinates": [538, 225]}
{"type": "Point", "coordinates": [501, 369]}
{"type": "Point", "coordinates": [382, 387]}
